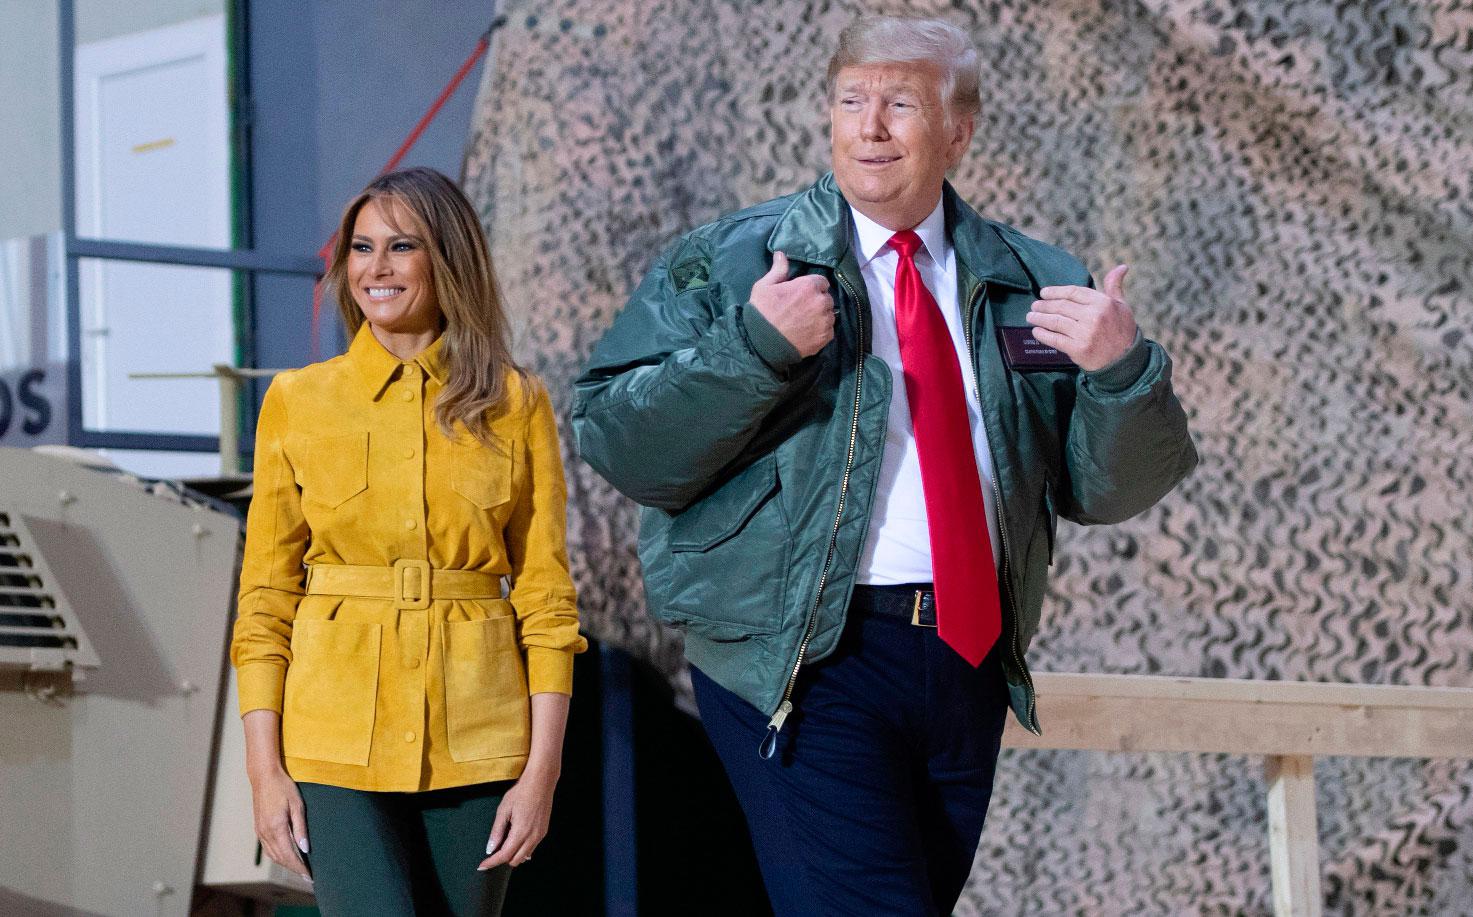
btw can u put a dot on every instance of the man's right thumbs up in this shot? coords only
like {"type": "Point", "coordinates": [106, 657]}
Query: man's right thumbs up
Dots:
{"type": "Point", "coordinates": [801, 309]}
{"type": "Point", "coordinates": [777, 273]}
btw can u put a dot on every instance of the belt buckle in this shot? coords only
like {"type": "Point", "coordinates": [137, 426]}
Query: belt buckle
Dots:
{"type": "Point", "coordinates": [412, 584]}
{"type": "Point", "coordinates": [930, 607]}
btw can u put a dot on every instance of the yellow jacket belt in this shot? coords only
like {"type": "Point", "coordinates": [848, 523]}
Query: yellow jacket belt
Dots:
{"type": "Point", "coordinates": [409, 584]}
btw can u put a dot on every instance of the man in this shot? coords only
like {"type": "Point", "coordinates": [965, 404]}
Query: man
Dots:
{"type": "Point", "coordinates": [852, 456]}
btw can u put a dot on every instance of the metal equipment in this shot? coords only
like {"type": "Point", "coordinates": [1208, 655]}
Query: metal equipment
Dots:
{"type": "Point", "coordinates": [104, 780]}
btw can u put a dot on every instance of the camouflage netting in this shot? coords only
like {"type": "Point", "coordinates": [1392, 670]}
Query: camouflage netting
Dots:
{"type": "Point", "coordinates": [1291, 183]}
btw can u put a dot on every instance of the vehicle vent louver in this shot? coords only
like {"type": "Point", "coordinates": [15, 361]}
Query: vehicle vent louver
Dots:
{"type": "Point", "coordinates": [38, 629]}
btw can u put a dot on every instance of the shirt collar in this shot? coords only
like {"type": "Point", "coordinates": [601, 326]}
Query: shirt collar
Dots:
{"type": "Point", "coordinates": [872, 239]}
{"type": "Point", "coordinates": [378, 367]}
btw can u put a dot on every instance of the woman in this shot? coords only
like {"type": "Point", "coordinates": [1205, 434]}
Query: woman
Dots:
{"type": "Point", "coordinates": [404, 721]}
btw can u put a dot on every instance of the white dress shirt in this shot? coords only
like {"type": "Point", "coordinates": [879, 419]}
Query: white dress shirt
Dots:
{"type": "Point", "coordinates": [897, 548]}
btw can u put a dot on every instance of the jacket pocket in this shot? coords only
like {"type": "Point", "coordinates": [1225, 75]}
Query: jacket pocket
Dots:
{"type": "Point", "coordinates": [729, 558]}
{"type": "Point", "coordinates": [722, 514]}
{"type": "Point", "coordinates": [331, 691]}
{"type": "Point", "coordinates": [336, 468]}
{"type": "Point", "coordinates": [482, 474]}
{"type": "Point", "coordinates": [487, 710]}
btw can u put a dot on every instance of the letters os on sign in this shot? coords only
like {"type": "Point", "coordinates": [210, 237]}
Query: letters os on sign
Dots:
{"type": "Point", "coordinates": [23, 403]}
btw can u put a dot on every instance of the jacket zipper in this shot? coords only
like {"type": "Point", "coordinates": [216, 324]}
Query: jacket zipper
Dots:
{"type": "Point", "coordinates": [785, 705]}
{"type": "Point", "coordinates": [1002, 515]}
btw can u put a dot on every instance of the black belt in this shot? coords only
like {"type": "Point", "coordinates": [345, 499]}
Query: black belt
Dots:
{"type": "Point", "coordinates": [913, 602]}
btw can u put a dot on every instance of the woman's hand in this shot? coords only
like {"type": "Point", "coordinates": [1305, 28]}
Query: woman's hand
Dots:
{"type": "Point", "coordinates": [521, 820]}
{"type": "Point", "coordinates": [281, 819]}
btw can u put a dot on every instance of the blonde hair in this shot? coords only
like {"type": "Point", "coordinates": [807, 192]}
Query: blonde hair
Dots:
{"type": "Point", "coordinates": [903, 40]}
{"type": "Point", "coordinates": [476, 351]}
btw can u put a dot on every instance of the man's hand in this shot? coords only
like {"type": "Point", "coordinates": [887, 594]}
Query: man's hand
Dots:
{"type": "Point", "coordinates": [1094, 328]}
{"type": "Point", "coordinates": [801, 309]}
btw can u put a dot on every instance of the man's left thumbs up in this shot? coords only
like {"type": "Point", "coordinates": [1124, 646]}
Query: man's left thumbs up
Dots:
{"type": "Point", "coordinates": [1094, 328]}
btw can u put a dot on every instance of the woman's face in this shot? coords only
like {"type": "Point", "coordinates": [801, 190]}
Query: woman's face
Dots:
{"type": "Point", "coordinates": [389, 269]}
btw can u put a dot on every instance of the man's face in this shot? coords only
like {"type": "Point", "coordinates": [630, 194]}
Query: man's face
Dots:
{"type": "Point", "coordinates": [891, 142]}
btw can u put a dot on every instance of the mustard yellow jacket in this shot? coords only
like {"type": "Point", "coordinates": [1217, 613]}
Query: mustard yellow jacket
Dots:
{"type": "Point", "coordinates": [352, 469]}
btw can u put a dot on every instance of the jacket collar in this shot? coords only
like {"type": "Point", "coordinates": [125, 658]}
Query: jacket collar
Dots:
{"type": "Point", "coordinates": [816, 228]}
{"type": "Point", "coordinates": [377, 367]}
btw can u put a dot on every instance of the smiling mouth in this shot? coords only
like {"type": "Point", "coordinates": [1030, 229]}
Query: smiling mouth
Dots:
{"type": "Point", "coordinates": [878, 160]}
{"type": "Point", "coordinates": [377, 293]}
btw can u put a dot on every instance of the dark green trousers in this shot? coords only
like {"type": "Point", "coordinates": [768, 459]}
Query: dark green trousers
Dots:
{"type": "Point", "coordinates": [405, 854]}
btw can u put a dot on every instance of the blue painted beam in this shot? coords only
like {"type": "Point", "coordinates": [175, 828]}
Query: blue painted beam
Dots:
{"type": "Point", "coordinates": [621, 847]}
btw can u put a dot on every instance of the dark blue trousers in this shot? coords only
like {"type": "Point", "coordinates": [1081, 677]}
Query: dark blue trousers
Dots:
{"type": "Point", "coordinates": [875, 800]}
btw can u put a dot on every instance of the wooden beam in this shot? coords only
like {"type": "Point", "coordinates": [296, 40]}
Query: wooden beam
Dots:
{"type": "Point", "coordinates": [1293, 836]}
{"type": "Point", "coordinates": [1166, 714]}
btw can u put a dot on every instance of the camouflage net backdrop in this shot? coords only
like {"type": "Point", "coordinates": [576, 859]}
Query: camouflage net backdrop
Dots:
{"type": "Point", "coordinates": [1291, 184]}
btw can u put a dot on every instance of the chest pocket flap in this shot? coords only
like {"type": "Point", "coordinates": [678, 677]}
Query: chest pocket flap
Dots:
{"type": "Point", "coordinates": [335, 468]}
{"type": "Point", "coordinates": [482, 474]}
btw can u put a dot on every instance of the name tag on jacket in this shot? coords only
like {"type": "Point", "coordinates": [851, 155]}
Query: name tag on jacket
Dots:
{"type": "Point", "coordinates": [1024, 353]}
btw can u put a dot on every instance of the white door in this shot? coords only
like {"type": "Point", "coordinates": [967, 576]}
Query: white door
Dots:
{"type": "Point", "coordinates": [153, 165]}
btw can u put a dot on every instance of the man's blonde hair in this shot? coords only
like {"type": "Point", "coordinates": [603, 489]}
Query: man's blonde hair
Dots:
{"type": "Point", "coordinates": [903, 40]}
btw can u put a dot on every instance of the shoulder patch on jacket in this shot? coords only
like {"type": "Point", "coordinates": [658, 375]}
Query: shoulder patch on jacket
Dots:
{"type": "Point", "coordinates": [687, 261]}
{"type": "Point", "coordinates": [690, 273]}
{"type": "Point", "coordinates": [690, 260]}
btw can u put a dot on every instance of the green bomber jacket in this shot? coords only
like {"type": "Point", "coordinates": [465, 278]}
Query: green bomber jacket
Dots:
{"type": "Point", "coordinates": [756, 470]}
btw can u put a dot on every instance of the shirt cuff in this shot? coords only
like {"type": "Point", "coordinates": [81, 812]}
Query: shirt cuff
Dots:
{"type": "Point", "coordinates": [766, 341]}
{"type": "Point", "coordinates": [549, 671]}
{"type": "Point", "coordinates": [260, 686]}
{"type": "Point", "coordinates": [1125, 372]}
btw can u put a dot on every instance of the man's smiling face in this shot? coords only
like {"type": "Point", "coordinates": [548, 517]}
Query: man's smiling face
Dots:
{"type": "Point", "coordinates": [892, 140]}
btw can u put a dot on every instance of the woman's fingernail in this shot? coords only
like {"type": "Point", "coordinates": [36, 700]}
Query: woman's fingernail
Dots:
{"type": "Point", "coordinates": [302, 844]}
{"type": "Point", "coordinates": [482, 868]}
{"type": "Point", "coordinates": [490, 847]}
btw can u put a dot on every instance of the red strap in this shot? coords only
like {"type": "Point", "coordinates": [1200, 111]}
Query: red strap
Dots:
{"type": "Point", "coordinates": [481, 47]}
{"type": "Point", "coordinates": [968, 607]}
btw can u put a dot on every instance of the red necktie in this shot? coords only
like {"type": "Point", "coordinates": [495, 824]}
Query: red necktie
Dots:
{"type": "Point", "coordinates": [968, 610]}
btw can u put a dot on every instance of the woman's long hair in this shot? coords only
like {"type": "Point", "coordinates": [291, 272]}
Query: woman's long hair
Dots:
{"type": "Point", "coordinates": [476, 351]}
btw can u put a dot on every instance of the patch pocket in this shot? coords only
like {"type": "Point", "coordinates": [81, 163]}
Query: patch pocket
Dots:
{"type": "Point", "coordinates": [729, 558]}
{"type": "Point", "coordinates": [482, 474]}
{"type": "Point", "coordinates": [336, 468]}
{"type": "Point", "coordinates": [331, 691]}
{"type": "Point", "coordinates": [487, 709]}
